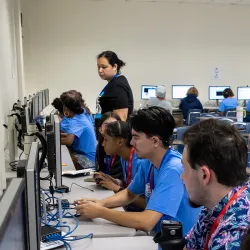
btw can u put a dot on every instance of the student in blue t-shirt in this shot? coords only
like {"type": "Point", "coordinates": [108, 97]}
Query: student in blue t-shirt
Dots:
{"type": "Point", "coordinates": [85, 108]}
{"type": "Point", "coordinates": [228, 103]}
{"type": "Point", "coordinates": [158, 178]}
{"type": "Point", "coordinates": [117, 137]}
{"type": "Point", "coordinates": [78, 133]}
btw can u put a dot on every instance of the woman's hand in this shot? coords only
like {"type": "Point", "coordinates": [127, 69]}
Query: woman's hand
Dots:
{"type": "Point", "coordinates": [106, 181]}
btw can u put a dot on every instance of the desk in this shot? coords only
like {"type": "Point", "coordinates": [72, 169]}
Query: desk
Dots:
{"type": "Point", "coordinates": [66, 159]}
{"type": "Point", "coordinates": [121, 243]}
{"type": "Point", "coordinates": [99, 227]}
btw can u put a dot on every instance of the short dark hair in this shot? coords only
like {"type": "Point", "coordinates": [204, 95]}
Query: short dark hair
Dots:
{"type": "Point", "coordinates": [58, 104]}
{"type": "Point", "coordinates": [228, 93]}
{"type": "Point", "coordinates": [73, 103]}
{"type": "Point", "coordinates": [120, 129]}
{"type": "Point", "coordinates": [219, 146]}
{"type": "Point", "coordinates": [112, 59]}
{"type": "Point", "coordinates": [154, 121]}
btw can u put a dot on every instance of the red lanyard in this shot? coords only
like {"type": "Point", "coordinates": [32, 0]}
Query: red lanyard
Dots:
{"type": "Point", "coordinates": [108, 164]}
{"type": "Point", "coordinates": [129, 175]}
{"type": "Point", "coordinates": [222, 213]}
{"type": "Point", "coordinates": [151, 178]}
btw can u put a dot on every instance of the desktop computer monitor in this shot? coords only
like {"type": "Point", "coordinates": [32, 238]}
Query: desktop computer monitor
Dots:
{"type": "Point", "coordinates": [180, 91]}
{"type": "Point", "coordinates": [243, 93]}
{"type": "Point", "coordinates": [46, 93]}
{"type": "Point", "coordinates": [33, 197]}
{"type": "Point", "coordinates": [216, 92]}
{"type": "Point", "coordinates": [40, 102]}
{"type": "Point", "coordinates": [13, 227]}
{"type": "Point", "coordinates": [148, 91]}
{"type": "Point", "coordinates": [52, 131]}
{"type": "Point", "coordinates": [35, 106]}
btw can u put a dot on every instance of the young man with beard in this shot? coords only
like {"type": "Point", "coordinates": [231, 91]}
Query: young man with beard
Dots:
{"type": "Point", "coordinates": [215, 160]}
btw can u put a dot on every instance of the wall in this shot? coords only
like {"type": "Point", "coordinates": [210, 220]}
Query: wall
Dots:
{"type": "Point", "coordinates": [162, 43]}
{"type": "Point", "coordinates": [8, 73]}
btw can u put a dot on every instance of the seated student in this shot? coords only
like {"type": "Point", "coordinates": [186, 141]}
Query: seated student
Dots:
{"type": "Point", "coordinates": [86, 112]}
{"type": "Point", "coordinates": [229, 102]}
{"type": "Point", "coordinates": [58, 104]}
{"type": "Point", "coordinates": [78, 134]}
{"type": "Point", "coordinates": [190, 102]}
{"type": "Point", "coordinates": [106, 163]}
{"type": "Point", "coordinates": [158, 178]}
{"type": "Point", "coordinates": [117, 139]}
{"type": "Point", "coordinates": [215, 177]}
{"type": "Point", "coordinates": [160, 99]}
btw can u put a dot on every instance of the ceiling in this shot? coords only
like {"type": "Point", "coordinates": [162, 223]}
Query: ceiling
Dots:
{"type": "Point", "coordinates": [228, 2]}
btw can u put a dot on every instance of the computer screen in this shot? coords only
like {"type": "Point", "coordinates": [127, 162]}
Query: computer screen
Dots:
{"type": "Point", "coordinates": [40, 101]}
{"type": "Point", "coordinates": [13, 231]}
{"type": "Point", "coordinates": [57, 133]}
{"type": "Point", "coordinates": [216, 92]}
{"type": "Point", "coordinates": [243, 93]}
{"type": "Point", "coordinates": [46, 91]}
{"type": "Point", "coordinates": [180, 91]}
{"type": "Point", "coordinates": [35, 105]}
{"type": "Point", "coordinates": [148, 91]}
{"type": "Point", "coordinates": [33, 197]}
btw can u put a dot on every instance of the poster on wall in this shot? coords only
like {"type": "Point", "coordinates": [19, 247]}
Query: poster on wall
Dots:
{"type": "Point", "coordinates": [216, 74]}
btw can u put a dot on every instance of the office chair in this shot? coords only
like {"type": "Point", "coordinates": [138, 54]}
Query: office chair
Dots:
{"type": "Point", "coordinates": [179, 135]}
{"type": "Point", "coordinates": [192, 116]}
{"type": "Point", "coordinates": [240, 125]}
{"type": "Point", "coordinates": [230, 112]}
{"type": "Point", "coordinates": [227, 120]}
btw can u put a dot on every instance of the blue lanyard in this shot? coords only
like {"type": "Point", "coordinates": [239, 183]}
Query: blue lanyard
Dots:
{"type": "Point", "coordinates": [151, 172]}
{"type": "Point", "coordinates": [102, 92]}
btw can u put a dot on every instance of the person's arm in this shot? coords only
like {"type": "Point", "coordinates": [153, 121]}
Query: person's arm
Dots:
{"type": "Point", "coordinates": [140, 202]}
{"type": "Point", "coordinates": [120, 199]}
{"type": "Point", "coordinates": [144, 221]}
{"type": "Point", "coordinates": [67, 139]}
{"type": "Point", "coordinates": [123, 113]}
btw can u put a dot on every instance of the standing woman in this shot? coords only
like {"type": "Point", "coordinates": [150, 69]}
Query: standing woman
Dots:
{"type": "Point", "coordinates": [117, 95]}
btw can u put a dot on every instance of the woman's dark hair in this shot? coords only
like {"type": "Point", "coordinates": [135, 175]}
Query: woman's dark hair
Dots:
{"type": "Point", "coordinates": [112, 59]}
{"type": "Point", "coordinates": [73, 103]}
{"type": "Point", "coordinates": [221, 148]}
{"type": "Point", "coordinates": [154, 121]}
{"type": "Point", "coordinates": [58, 104]}
{"type": "Point", "coordinates": [102, 120]}
{"type": "Point", "coordinates": [78, 95]}
{"type": "Point", "coordinates": [228, 93]}
{"type": "Point", "coordinates": [120, 129]}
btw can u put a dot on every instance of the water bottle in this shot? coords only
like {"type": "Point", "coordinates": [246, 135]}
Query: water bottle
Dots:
{"type": "Point", "coordinates": [239, 114]}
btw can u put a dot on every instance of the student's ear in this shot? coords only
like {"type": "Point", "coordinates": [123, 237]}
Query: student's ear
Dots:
{"type": "Point", "coordinates": [115, 67]}
{"type": "Point", "coordinates": [121, 141]}
{"type": "Point", "coordinates": [156, 141]}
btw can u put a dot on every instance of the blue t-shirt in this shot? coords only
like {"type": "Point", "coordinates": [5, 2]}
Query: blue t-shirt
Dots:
{"type": "Point", "coordinates": [89, 117]}
{"type": "Point", "coordinates": [228, 103]}
{"type": "Point", "coordinates": [169, 196]}
{"type": "Point", "coordinates": [135, 166]}
{"type": "Point", "coordinates": [85, 140]}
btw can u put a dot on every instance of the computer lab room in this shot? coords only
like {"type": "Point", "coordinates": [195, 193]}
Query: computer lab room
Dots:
{"type": "Point", "coordinates": [125, 124]}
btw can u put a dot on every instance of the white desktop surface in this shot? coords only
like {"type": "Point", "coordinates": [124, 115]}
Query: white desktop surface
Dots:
{"type": "Point", "coordinates": [120, 243]}
{"type": "Point", "coordinates": [99, 227]}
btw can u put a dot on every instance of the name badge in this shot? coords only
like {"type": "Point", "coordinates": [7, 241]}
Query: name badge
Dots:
{"type": "Point", "coordinates": [147, 190]}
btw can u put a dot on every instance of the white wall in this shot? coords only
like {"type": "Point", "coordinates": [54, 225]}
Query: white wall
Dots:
{"type": "Point", "coordinates": [8, 73]}
{"type": "Point", "coordinates": [162, 43]}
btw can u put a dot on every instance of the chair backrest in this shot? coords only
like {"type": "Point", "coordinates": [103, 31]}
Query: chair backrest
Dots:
{"type": "Point", "coordinates": [180, 133]}
{"type": "Point", "coordinates": [240, 125]}
{"type": "Point", "coordinates": [207, 115]}
{"type": "Point", "coordinates": [192, 116]}
{"type": "Point", "coordinates": [226, 120]}
{"type": "Point", "coordinates": [248, 128]}
{"type": "Point", "coordinates": [231, 111]}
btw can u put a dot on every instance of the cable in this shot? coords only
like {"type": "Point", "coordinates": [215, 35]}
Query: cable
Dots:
{"type": "Point", "coordinates": [13, 165]}
{"type": "Point", "coordinates": [80, 186]}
